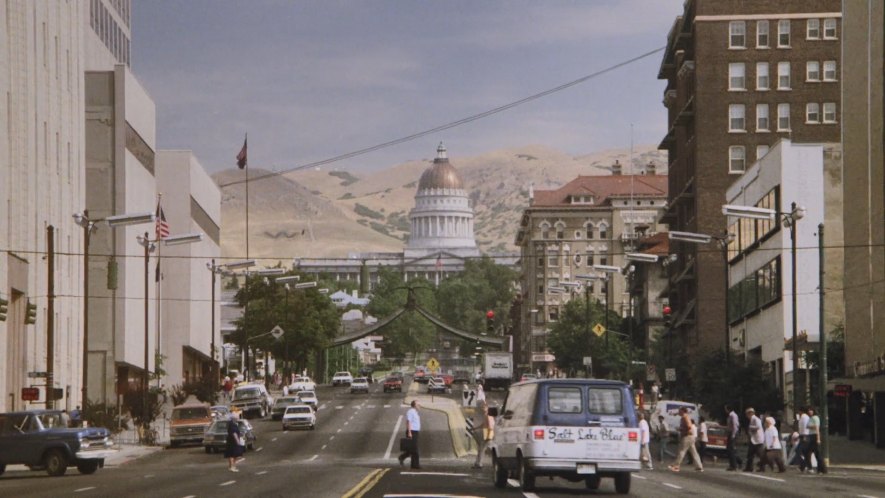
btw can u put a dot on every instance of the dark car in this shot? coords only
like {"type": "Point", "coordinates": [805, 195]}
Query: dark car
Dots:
{"type": "Point", "coordinates": [280, 404]}
{"type": "Point", "coordinates": [216, 436]}
{"type": "Point", "coordinates": [41, 440]}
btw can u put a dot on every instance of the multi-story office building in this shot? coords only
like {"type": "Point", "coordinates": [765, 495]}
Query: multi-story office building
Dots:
{"type": "Point", "coordinates": [740, 76]}
{"type": "Point", "coordinates": [592, 220]}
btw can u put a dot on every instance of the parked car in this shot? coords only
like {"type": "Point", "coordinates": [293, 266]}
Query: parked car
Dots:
{"type": "Point", "coordinates": [342, 379]}
{"type": "Point", "coordinates": [309, 398]}
{"type": "Point", "coordinates": [393, 384]}
{"type": "Point", "coordinates": [436, 385]}
{"type": "Point", "coordinates": [302, 384]}
{"type": "Point", "coordinates": [576, 429]}
{"type": "Point", "coordinates": [189, 423]}
{"type": "Point", "coordinates": [299, 416]}
{"type": "Point", "coordinates": [40, 440]}
{"type": "Point", "coordinates": [220, 412]}
{"type": "Point", "coordinates": [252, 399]}
{"type": "Point", "coordinates": [280, 405]}
{"type": "Point", "coordinates": [359, 385]}
{"type": "Point", "coordinates": [215, 438]}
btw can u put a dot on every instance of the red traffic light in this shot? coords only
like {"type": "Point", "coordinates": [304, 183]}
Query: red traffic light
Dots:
{"type": "Point", "coordinates": [490, 314]}
{"type": "Point", "coordinates": [667, 311]}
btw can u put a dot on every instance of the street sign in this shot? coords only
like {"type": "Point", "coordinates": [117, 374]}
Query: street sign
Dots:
{"type": "Point", "coordinates": [588, 361]}
{"type": "Point", "coordinates": [650, 373]}
{"type": "Point", "coordinates": [598, 329]}
{"type": "Point", "coordinates": [277, 332]}
{"type": "Point", "coordinates": [30, 394]}
{"type": "Point", "coordinates": [35, 375]}
{"type": "Point", "coordinates": [670, 374]}
{"type": "Point", "coordinates": [432, 364]}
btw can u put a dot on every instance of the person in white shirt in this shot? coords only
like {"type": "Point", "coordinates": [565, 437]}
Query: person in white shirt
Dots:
{"type": "Point", "coordinates": [813, 442]}
{"type": "Point", "coordinates": [773, 449]}
{"type": "Point", "coordinates": [802, 448]}
{"type": "Point", "coordinates": [756, 446]}
{"type": "Point", "coordinates": [733, 426]}
{"type": "Point", "coordinates": [413, 428]}
{"type": "Point", "coordinates": [644, 440]}
{"type": "Point", "coordinates": [702, 437]}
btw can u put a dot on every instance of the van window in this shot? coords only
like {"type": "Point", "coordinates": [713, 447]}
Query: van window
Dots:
{"type": "Point", "coordinates": [519, 404]}
{"type": "Point", "coordinates": [564, 400]}
{"type": "Point", "coordinates": [605, 401]}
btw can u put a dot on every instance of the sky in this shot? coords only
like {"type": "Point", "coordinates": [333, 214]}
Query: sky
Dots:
{"type": "Point", "coordinates": [312, 80]}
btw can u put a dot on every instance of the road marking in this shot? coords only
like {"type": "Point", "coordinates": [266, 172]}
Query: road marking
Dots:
{"type": "Point", "coordinates": [324, 447]}
{"type": "Point", "coordinates": [339, 430]}
{"type": "Point", "coordinates": [640, 477]}
{"type": "Point", "coordinates": [339, 407]}
{"type": "Point", "coordinates": [274, 439]}
{"type": "Point", "coordinates": [191, 496]}
{"type": "Point", "coordinates": [371, 406]}
{"type": "Point", "coordinates": [530, 495]}
{"type": "Point", "coordinates": [261, 473]}
{"type": "Point", "coordinates": [331, 438]}
{"type": "Point", "coordinates": [366, 484]}
{"type": "Point", "coordinates": [345, 423]}
{"type": "Point", "coordinates": [513, 483]}
{"type": "Point", "coordinates": [748, 474]}
{"type": "Point", "coordinates": [148, 476]}
{"type": "Point", "coordinates": [393, 437]}
{"type": "Point", "coordinates": [259, 449]}
{"type": "Point", "coordinates": [671, 485]}
{"type": "Point", "coordinates": [313, 458]}
{"type": "Point", "coordinates": [450, 474]}
{"type": "Point", "coordinates": [227, 483]}
{"type": "Point", "coordinates": [865, 496]}
{"type": "Point", "coordinates": [84, 489]}
{"type": "Point", "coordinates": [386, 406]}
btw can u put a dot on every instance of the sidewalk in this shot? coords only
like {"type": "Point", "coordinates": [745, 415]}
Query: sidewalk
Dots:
{"type": "Point", "coordinates": [855, 454]}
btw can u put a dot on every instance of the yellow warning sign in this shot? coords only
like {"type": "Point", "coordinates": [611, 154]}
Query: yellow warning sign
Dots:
{"type": "Point", "coordinates": [598, 329]}
{"type": "Point", "coordinates": [432, 364]}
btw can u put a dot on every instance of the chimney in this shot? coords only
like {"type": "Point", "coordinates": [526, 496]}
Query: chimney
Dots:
{"type": "Point", "coordinates": [616, 168]}
{"type": "Point", "coordinates": [650, 169]}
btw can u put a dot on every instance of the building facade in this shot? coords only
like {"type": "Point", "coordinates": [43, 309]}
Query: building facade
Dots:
{"type": "Point", "coordinates": [740, 76]}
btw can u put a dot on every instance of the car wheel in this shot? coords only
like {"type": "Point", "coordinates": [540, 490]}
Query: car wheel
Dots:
{"type": "Point", "coordinates": [592, 482]}
{"type": "Point", "coordinates": [2, 468]}
{"type": "Point", "coordinates": [56, 463]}
{"type": "Point", "coordinates": [500, 473]}
{"type": "Point", "coordinates": [87, 466]}
{"type": "Point", "coordinates": [526, 477]}
{"type": "Point", "coordinates": [622, 483]}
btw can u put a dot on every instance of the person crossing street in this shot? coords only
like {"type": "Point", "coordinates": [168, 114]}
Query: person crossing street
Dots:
{"type": "Point", "coordinates": [413, 429]}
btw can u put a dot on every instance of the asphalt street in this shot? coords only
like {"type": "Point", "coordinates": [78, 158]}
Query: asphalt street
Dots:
{"type": "Point", "coordinates": [353, 453]}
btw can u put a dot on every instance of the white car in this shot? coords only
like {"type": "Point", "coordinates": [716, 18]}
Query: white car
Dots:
{"type": "Point", "coordinates": [299, 416]}
{"type": "Point", "coordinates": [360, 385]}
{"type": "Point", "coordinates": [308, 398]}
{"type": "Point", "coordinates": [302, 384]}
{"type": "Point", "coordinates": [342, 379]}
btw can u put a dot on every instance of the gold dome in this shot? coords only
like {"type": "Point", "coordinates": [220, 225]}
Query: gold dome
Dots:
{"type": "Point", "coordinates": [441, 175]}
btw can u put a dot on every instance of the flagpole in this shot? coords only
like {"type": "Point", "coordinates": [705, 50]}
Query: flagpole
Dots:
{"type": "Point", "coordinates": [246, 373]}
{"type": "Point", "coordinates": [157, 295]}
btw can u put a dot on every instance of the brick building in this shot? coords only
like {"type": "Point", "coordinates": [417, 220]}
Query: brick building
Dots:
{"type": "Point", "coordinates": [740, 76]}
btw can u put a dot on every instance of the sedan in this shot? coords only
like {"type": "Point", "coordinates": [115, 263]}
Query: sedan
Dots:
{"type": "Point", "coordinates": [299, 416]}
{"type": "Point", "coordinates": [216, 436]}
{"type": "Point", "coordinates": [280, 404]}
{"type": "Point", "coordinates": [309, 398]}
{"type": "Point", "coordinates": [359, 385]}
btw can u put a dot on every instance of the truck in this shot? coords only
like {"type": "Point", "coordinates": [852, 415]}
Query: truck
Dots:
{"type": "Point", "coordinates": [497, 369]}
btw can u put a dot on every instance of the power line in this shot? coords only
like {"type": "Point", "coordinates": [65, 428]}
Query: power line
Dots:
{"type": "Point", "coordinates": [449, 125]}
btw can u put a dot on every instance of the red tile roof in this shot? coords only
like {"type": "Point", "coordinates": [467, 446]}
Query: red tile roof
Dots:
{"type": "Point", "coordinates": [603, 188]}
{"type": "Point", "coordinates": [658, 244]}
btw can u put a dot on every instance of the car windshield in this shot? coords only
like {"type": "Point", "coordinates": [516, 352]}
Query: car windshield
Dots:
{"type": "Point", "coordinates": [246, 393]}
{"type": "Point", "coordinates": [298, 409]}
{"type": "Point", "coordinates": [49, 421]}
{"type": "Point", "coordinates": [190, 413]}
{"type": "Point", "coordinates": [286, 401]}
{"type": "Point", "coordinates": [342, 374]}
{"type": "Point", "coordinates": [307, 394]}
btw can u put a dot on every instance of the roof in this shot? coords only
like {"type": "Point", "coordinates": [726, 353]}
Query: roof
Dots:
{"type": "Point", "coordinates": [603, 188]}
{"type": "Point", "coordinates": [658, 244]}
{"type": "Point", "coordinates": [441, 175]}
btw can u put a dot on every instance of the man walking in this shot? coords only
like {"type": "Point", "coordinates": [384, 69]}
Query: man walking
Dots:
{"type": "Point", "coordinates": [413, 428]}
{"type": "Point", "coordinates": [732, 428]}
{"type": "Point", "coordinates": [814, 442]}
{"type": "Point", "coordinates": [644, 439]}
{"type": "Point", "coordinates": [802, 447]}
{"type": "Point", "coordinates": [757, 441]}
{"type": "Point", "coordinates": [687, 439]}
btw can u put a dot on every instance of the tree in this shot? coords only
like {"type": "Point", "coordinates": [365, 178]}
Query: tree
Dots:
{"type": "Point", "coordinates": [410, 332]}
{"type": "Point", "coordinates": [571, 339]}
{"type": "Point", "coordinates": [743, 385]}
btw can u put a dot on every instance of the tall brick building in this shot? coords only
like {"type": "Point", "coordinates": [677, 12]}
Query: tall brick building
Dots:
{"type": "Point", "coordinates": [740, 76]}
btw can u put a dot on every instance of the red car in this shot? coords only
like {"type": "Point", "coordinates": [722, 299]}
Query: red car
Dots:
{"type": "Point", "coordinates": [393, 384]}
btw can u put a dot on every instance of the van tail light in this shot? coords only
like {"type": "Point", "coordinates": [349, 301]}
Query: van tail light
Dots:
{"type": "Point", "coordinates": [539, 434]}
{"type": "Point", "coordinates": [633, 436]}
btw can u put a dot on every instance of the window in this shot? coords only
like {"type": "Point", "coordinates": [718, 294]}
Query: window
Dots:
{"type": "Point", "coordinates": [761, 34]}
{"type": "Point", "coordinates": [762, 122]}
{"type": "Point", "coordinates": [812, 71]}
{"type": "Point", "coordinates": [605, 401]}
{"type": "Point", "coordinates": [812, 29]}
{"type": "Point", "coordinates": [590, 257]}
{"type": "Point", "coordinates": [829, 70]}
{"type": "Point", "coordinates": [737, 159]}
{"type": "Point", "coordinates": [603, 232]}
{"type": "Point", "coordinates": [737, 34]}
{"type": "Point", "coordinates": [552, 261]}
{"type": "Point", "coordinates": [783, 117]}
{"type": "Point", "coordinates": [783, 75]}
{"type": "Point", "coordinates": [736, 117]}
{"type": "Point", "coordinates": [564, 400]}
{"type": "Point", "coordinates": [603, 260]}
{"type": "Point", "coordinates": [812, 112]}
{"type": "Point", "coordinates": [762, 81]}
{"type": "Point", "coordinates": [829, 112]}
{"type": "Point", "coordinates": [589, 229]}
{"type": "Point", "coordinates": [783, 33]}
{"type": "Point", "coordinates": [736, 79]}
{"type": "Point", "coordinates": [553, 314]}
{"type": "Point", "coordinates": [761, 150]}
{"type": "Point", "coordinates": [829, 29]}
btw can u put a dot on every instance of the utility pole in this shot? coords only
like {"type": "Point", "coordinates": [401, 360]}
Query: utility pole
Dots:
{"type": "Point", "coordinates": [50, 318]}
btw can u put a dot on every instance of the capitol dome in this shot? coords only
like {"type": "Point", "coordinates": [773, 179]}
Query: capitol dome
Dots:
{"type": "Point", "coordinates": [441, 175]}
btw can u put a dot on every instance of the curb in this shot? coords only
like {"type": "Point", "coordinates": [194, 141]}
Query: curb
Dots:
{"type": "Point", "coordinates": [457, 424]}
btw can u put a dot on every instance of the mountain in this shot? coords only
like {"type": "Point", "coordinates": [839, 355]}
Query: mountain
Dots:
{"type": "Point", "coordinates": [329, 213]}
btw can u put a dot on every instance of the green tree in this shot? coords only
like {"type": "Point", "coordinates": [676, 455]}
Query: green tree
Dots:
{"type": "Point", "coordinates": [742, 385]}
{"type": "Point", "coordinates": [410, 332]}
{"type": "Point", "coordinates": [571, 339]}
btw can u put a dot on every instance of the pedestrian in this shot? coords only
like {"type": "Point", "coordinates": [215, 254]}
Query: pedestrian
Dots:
{"type": "Point", "coordinates": [65, 419]}
{"type": "Point", "coordinates": [756, 436]}
{"type": "Point", "coordinates": [655, 393]}
{"type": "Point", "coordinates": [732, 427]}
{"type": "Point", "coordinates": [644, 440]}
{"type": "Point", "coordinates": [686, 442]}
{"type": "Point", "coordinates": [773, 450]}
{"type": "Point", "coordinates": [663, 436]}
{"type": "Point", "coordinates": [480, 394]}
{"type": "Point", "coordinates": [228, 387]}
{"type": "Point", "coordinates": [235, 444]}
{"type": "Point", "coordinates": [801, 449]}
{"type": "Point", "coordinates": [482, 431]}
{"type": "Point", "coordinates": [413, 429]}
{"type": "Point", "coordinates": [702, 437]}
{"type": "Point", "coordinates": [814, 442]}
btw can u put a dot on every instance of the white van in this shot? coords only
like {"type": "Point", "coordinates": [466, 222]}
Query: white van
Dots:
{"type": "Point", "coordinates": [669, 409]}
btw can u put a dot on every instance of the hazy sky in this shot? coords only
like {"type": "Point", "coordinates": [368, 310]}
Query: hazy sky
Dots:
{"type": "Point", "coordinates": [309, 80]}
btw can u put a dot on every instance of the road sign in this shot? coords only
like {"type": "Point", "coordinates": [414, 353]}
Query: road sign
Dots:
{"type": "Point", "coordinates": [30, 394]}
{"type": "Point", "coordinates": [35, 375]}
{"type": "Point", "coordinates": [588, 361]}
{"type": "Point", "coordinates": [598, 329]}
{"type": "Point", "coordinates": [432, 364]}
{"type": "Point", "coordinates": [277, 332]}
{"type": "Point", "coordinates": [670, 374]}
{"type": "Point", "coordinates": [650, 373]}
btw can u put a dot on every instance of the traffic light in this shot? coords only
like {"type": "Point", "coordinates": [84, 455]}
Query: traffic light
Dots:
{"type": "Point", "coordinates": [4, 307]}
{"type": "Point", "coordinates": [667, 311]}
{"type": "Point", "coordinates": [31, 314]}
{"type": "Point", "coordinates": [490, 322]}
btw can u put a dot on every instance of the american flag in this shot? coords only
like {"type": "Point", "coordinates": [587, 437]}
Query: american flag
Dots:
{"type": "Point", "coordinates": [162, 225]}
{"type": "Point", "coordinates": [242, 159]}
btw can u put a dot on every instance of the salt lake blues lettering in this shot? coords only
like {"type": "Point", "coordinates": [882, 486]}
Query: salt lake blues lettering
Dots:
{"type": "Point", "coordinates": [585, 434]}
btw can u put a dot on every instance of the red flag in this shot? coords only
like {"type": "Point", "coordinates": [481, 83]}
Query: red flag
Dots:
{"type": "Point", "coordinates": [241, 157]}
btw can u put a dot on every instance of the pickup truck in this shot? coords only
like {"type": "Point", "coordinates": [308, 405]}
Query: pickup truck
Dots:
{"type": "Point", "coordinates": [189, 423]}
{"type": "Point", "coordinates": [40, 440]}
{"type": "Point", "coordinates": [393, 384]}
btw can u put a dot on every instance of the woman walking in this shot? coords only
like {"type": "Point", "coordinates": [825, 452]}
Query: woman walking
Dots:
{"type": "Point", "coordinates": [235, 445]}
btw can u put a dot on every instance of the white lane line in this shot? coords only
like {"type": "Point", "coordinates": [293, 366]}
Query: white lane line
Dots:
{"type": "Point", "coordinates": [191, 496]}
{"type": "Point", "coordinates": [530, 495]}
{"type": "Point", "coordinates": [339, 430]}
{"type": "Point", "coordinates": [393, 437]}
{"type": "Point", "coordinates": [386, 406]}
{"type": "Point", "coordinates": [671, 485]}
{"type": "Point", "coordinates": [640, 477]}
{"type": "Point", "coordinates": [866, 496]}
{"type": "Point", "coordinates": [274, 439]}
{"type": "Point", "coordinates": [148, 476]}
{"type": "Point", "coordinates": [259, 449]}
{"type": "Point", "coordinates": [313, 458]}
{"type": "Point", "coordinates": [339, 407]}
{"type": "Point", "coordinates": [227, 483]}
{"type": "Point", "coordinates": [450, 474]}
{"type": "Point", "coordinates": [321, 406]}
{"type": "Point", "coordinates": [513, 483]}
{"type": "Point", "coordinates": [331, 438]}
{"type": "Point", "coordinates": [763, 477]}
{"type": "Point", "coordinates": [345, 423]}
{"type": "Point", "coordinates": [371, 406]}
{"type": "Point", "coordinates": [324, 447]}
{"type": "Point", "coordinates": [261, 473]}
{"type": "Point", "coordinates": [84, 489]}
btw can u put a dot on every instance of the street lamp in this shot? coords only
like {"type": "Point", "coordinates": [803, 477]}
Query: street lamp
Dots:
{"type": "Point", "coordinates": [723, 241]}
{"type": "Point", "coordinates": [82, 219]}
{"type": "Point", "coordinates": [789, 221]}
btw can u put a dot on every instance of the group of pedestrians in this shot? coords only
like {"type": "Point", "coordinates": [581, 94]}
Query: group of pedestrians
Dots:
{"type": "Point", "coordinates": [765, 446]}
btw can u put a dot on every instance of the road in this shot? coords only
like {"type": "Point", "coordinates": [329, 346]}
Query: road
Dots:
{"type": "Point", "coordinates": [353, 452]}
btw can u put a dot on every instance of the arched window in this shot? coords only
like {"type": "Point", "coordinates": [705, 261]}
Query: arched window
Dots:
{"type": "Point", "coordinates": [545, 229]}
{"type": "Point", "coordinates": [589, 229]}
{"type": "Point", "coordinates": [603, 231]}
{"type": "Point", "coordinates": [560, 230]}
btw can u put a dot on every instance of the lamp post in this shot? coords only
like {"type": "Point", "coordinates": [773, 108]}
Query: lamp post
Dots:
{"type": "Point", "coordinates": [722, 241]}
{"type": "Point", "coordinates": [82, 219]}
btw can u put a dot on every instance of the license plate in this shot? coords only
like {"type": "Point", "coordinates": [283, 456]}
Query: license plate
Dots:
{"type": "Point", "coordinates": [586, 468]}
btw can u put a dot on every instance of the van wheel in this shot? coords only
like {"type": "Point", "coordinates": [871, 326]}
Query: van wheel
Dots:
{"type": "Point", "coordinates": [592, 482]}
{"type": "Point", "coordinates": [622, 483]}
{"type": "Point", "coordinates": [500, 473]}
{"type": "Point", "coordinates": [526, 477]}
{"type": "Point", "coordinates": [55, 462]}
